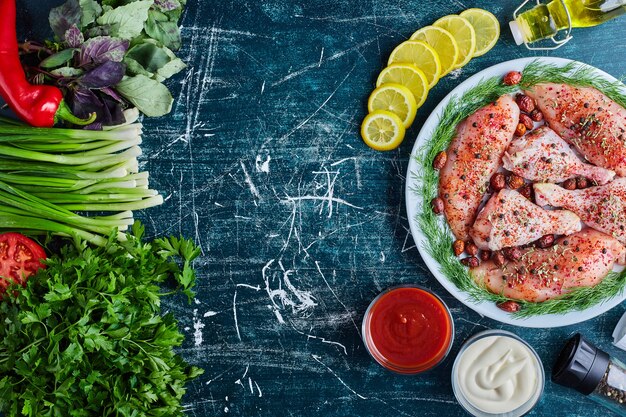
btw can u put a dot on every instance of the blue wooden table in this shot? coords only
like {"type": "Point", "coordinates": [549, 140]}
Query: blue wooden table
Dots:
{"type": "Point", "coordinates": [300, 223]}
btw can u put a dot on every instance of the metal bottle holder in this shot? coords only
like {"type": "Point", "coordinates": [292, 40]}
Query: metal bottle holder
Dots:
{"type": "Point", "coordinates": [557, 42]}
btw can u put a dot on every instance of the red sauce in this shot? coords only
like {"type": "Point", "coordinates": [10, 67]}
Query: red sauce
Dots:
{"type": "Point", "coordinates": [408, 330]}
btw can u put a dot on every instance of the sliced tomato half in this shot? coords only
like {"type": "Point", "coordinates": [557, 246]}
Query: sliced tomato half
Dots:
{"type": "Point", "coordinates": [20, 257]}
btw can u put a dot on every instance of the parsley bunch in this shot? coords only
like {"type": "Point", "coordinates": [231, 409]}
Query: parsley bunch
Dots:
{"type": "Point", "coordinates": [86, 336]}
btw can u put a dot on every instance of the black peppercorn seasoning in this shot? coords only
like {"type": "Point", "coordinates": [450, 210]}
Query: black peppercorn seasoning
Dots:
{"type": "Point", "coordinates": [612, 387]}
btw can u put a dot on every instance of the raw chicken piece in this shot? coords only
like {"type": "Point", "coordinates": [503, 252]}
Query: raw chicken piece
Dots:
{"type": "Point", "coordinates": [602, 207]}
{"type": "Point", "coordinates": [543, 156]}
{"type": "Point", "coordinates": [473, 156]}
{"type": "Point", "coordinates": [509, 219]}
{"type": "Point", "coordinates": [586, 118]}
{"type": "Point", "coordinates": [579, 260]}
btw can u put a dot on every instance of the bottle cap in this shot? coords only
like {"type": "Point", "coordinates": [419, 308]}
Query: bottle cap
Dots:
{"type": "Point", "coordinates": [516, 31]}
{"type": "Point", "coordinates": [580, 365]}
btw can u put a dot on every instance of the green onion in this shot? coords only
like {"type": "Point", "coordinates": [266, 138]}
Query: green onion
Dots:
{"type": "Point", "coordinates": [131, 131]}
{"type": "Point", "coordinates": [57, 198]}
{"type": "Point", "coordinates": [45, 169]}
{"type": "Point", "coordinates": [129, 205]}
{"type": "Point", "coordinates": [48, 174]}
{"type": "Point", "coordinates": [11, 222]}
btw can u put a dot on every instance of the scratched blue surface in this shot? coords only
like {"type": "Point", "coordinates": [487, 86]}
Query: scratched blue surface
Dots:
{"type": "Point", "coordinates": [301, 224]}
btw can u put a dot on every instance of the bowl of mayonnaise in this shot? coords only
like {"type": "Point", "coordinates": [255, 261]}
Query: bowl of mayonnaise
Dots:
{"type": "Point", "coordinates": [496, 373]}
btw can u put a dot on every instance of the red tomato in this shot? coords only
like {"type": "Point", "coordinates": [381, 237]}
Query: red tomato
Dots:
{"type": "Point", "coordinates": [20, 257]}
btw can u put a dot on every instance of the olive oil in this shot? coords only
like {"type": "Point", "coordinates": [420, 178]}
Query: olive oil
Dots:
{"type": "Point", "coordinates": [546, 20]}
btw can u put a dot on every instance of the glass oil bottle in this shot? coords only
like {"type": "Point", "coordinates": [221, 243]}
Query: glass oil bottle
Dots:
{"type": "Point", "coordinates": [558, 17]}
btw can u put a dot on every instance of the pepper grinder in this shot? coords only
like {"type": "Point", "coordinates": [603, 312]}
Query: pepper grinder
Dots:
{"type": "Point", "coordinates": [592, 372]}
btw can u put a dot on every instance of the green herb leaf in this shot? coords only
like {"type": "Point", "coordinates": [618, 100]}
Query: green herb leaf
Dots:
{"type": "Point", "coordinates": [152, 60]}
{"type": "Point", "coordinates": [160, 28]}
{"type": "Point", "coordinates": [150, 56]}
{"type": "Point", "coordinates": [27, 409]}
{"type": "Point", "coordinates": [151, 97]}
{"type": "Point", "coordinates": [29, 317]}
{"type": "Point", "coordinates": [58, 59]}
{"type": "Point", "coordinates": [127, 21]}
{"type": "Point", "coordinates": [91, 10]}
{"type": "Point", "coordinates": [171, 68]}
{"type": "Point", "coordinates": [73, 353]}
{"type": "Point", "coordinates": [135, 68]}
{"type": "Point", "coordinates": [67, 72]}
{"type": "Point", "coordinates": [43, 311]}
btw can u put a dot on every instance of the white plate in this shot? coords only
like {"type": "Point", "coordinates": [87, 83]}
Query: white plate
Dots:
{"type": "Point", "coordinates": [414, 202]}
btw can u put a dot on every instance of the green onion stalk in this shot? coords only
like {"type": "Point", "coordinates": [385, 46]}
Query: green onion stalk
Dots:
{"type": "Point", "coordinates": [72, 182]}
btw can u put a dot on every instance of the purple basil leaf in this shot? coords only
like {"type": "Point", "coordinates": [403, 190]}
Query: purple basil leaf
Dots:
{"type": "Point", "coordinates": [106, 75]}
{"type": "Point", "coordinates": [112, 93]}
{"type": "Point", "coordinates": [63, 17]}
{"type": "Point", "coordinates": [83, 102]}
{"type": "Point", "coordinates": [101, 49]}
{"type": "Point", "coordinates": [74, 37]}
{"type": "Point", "coordinates": [93, 126]}
{"type": "Point", "coordinates": [114, 114]}
{"type": "Point", "coordinates": [167, 5]}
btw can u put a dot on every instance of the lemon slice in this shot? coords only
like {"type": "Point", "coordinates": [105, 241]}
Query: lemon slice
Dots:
{"type": "Point", "coordinates": [409, 76]}
{"type": "Point", "coordinates": [395, 98]}
{"type": "Point", "coordinates": [382, 130]}
{"type": "Point", "coordinates": [422, 56]}
{"type": "Point", "coordinates": [464, 35]}
{"type": "Point", "coordinates": [442, 42]}
{"type": "Point", "coordinates": [486, 27]}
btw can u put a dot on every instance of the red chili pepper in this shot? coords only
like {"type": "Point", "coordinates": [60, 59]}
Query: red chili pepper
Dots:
{"type": "Point", "coordinates": [37, 105]}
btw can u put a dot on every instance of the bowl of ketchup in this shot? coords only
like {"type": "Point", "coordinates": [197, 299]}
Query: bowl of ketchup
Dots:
{"type": "Point", "coordinates": [408, 329]}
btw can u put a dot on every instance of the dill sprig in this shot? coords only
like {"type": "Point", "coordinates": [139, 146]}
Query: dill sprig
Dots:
{"type": "Point", "coordinates": [439, 238]}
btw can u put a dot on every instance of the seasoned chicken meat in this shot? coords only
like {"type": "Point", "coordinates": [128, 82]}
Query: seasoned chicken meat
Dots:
{"type": "Point", "coordinates": [602, 207]}
{"type": "Point", "coordinates": [473, 156]}
{"type": "Point", "coordinates": [588, 119]}
{"type": "Point", "coordinates": [543, 156]}
{"type": "Point", "coordinates": [509, 219]}
{"type": "Point", "coordinates": [579, 260]}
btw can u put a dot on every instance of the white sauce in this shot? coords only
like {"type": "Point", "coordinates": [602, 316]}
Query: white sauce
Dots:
{"type": "Point", "coordinates": [497, 374]}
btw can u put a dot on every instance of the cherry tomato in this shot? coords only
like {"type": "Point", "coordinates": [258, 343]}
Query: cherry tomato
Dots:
{"type": "Point", "coordinates": [20, 257]}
